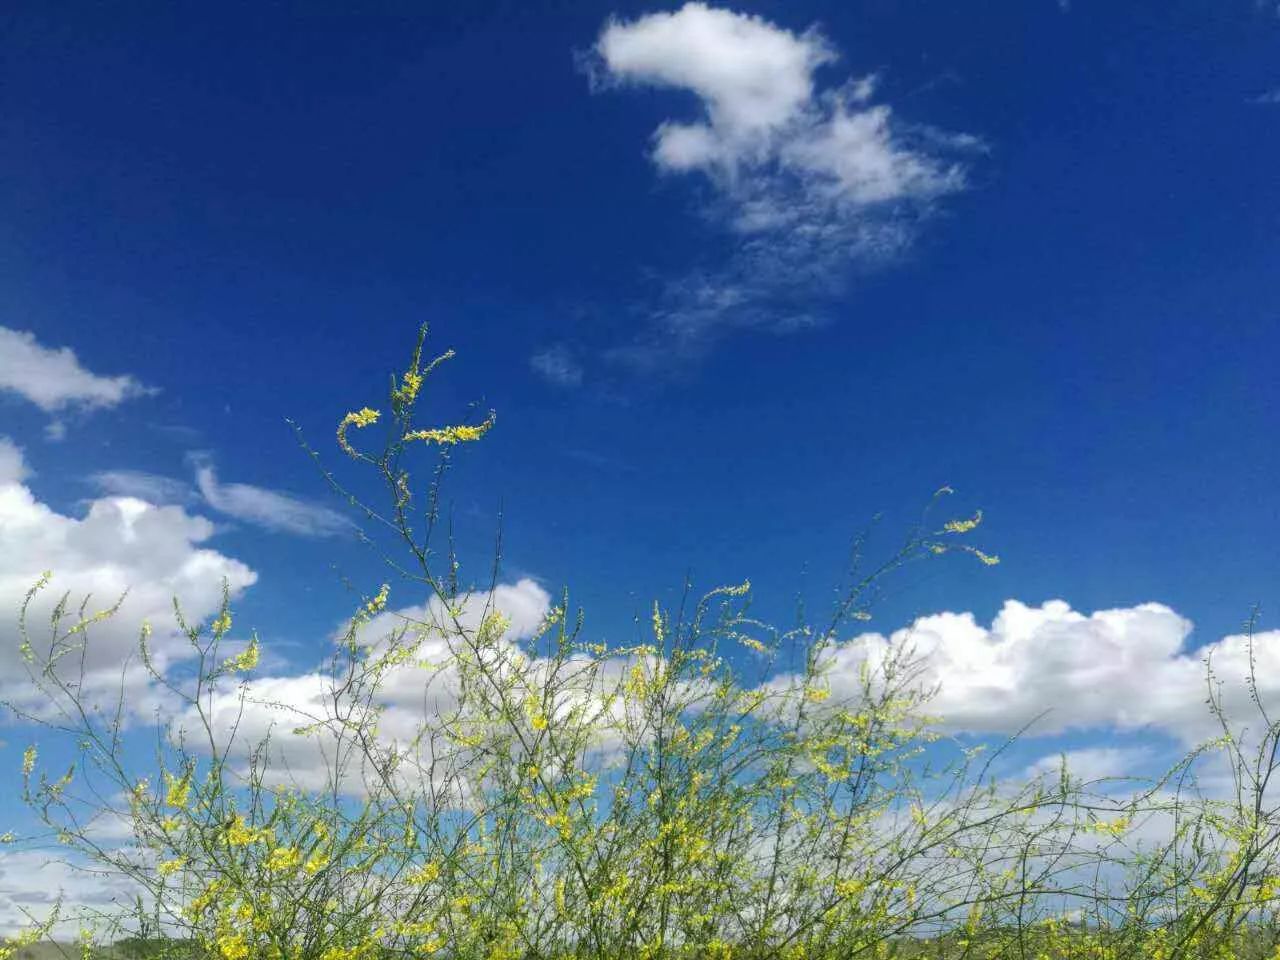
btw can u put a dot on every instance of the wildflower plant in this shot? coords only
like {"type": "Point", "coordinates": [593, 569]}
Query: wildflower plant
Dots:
{"type": "Point", "coordinates": [483, 796]}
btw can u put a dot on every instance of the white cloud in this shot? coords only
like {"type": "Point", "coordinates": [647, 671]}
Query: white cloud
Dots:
{"type": "Point", "coordinates": [557, 365]}
{"type": "Point", "coordinates": [31, 883]}
{"type": "Point", "coordinates": [421, 690]}
{"type": "Point", "coordinates": [753, 78]}
{"type": "Point", "coordinates": [1091, 764]}
{"type": "Point", "coordinates": [524, 603]}
{"type": "Point", "coordinates": [120, 544]}
{"type": "Point", "coordinates": [151, 487]}
{"type": "Point", "coordinates": [13, 467]}
{"type": "Point", "coordinates": [763, 118]}
{"type": "Point", "coordinates": [270, 509]}
{"type": "Point", "coordinates": [1125, 669]}
{"type": "Point", "coordinates": [54, 380]}
{"type": "Point", "coordinates": [1269, 98]}
{"type": "Point", "coordinates": [1112, 670]}
{"type": "Point", "coordinates": [811, 180]}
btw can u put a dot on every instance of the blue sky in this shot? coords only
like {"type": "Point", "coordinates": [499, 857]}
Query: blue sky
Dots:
{"type": "Point", "coordinates": [735, 280]}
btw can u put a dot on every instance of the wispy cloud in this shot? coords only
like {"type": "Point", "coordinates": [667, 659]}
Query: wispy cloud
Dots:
{"type": "Point", "coordinates": [145, 486]}
{"type": "Point", "coordinates": [269, 509]}
{"type": "Point", "coordinates": [262, 507]}
{"type": "Point", "coordinates": [54, 379]}
{"type": "Point", "coordinates": [808, 181]}
{"type": "Point", "coordinates": [557, 365]}
{"type": "Point", "coordinates": [1270, 98]}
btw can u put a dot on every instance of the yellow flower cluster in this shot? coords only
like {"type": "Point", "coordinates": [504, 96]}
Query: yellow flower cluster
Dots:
{"type": "Point", "coordinates": [246, 659]}
{"type": "Point", "coordinates": [240, 834]}
{"type": "Point", "coordinates": [963, 526]}
{"type": "Point", "coordinates": [365, 417]}
{"type": "Point", "coordinates": [427, 873]}
{"type": "Point", "coordinates": [28, 761]}
{"type": "Point", "coordinates": [167, 867]}
{"type": "Point", "coordinates": [447, 436]}
{"type": "Point", "coordinates": [281, 859]}
{"type": "Point", "coordinates": [178, 793]}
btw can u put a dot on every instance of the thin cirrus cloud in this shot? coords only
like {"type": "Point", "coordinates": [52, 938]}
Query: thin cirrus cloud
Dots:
{"type": "Point", "coordinates": [54, 379]}
{"type": "Point", "coordinates": [557, 365]}
{"type": "Point", "coordinates": [151, 487]}
{"type": "Point", "coordinates": [259, 506]}
{"type": "Point", "coordinates": [270, 509]}
{"type": "Point", "coordinates": [808, 180]}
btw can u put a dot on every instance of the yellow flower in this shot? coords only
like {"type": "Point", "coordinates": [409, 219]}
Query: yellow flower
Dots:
{"type": "Point", "coordinates": [963, 526]}
{"type": "Point", "coordinates": [1115, 828]}
{"type": "Point", "coordinates": [451, 435]}
{"type": "Point", "coordinates": [28, 761]}
{"type": "Point", "coordinates": [849, 888]}
{"type": "Point", "coordinates": [410, 386]}
{"type": "Point", "coordinates": [533, 710]}
{"type": "Point", "coordinates": [359, 419]}
{"type": "Point", "coordinates": [167, 867]}
{"type": "Point", "coordinates": [25, 939]}
{"type": "Point", "coordinates": [246, 659]}
{"type": "Point", "coordinates": [179, 792]}
{"type": "Point", "coordinates": [560, 823]}
{"type": "Point", "coordinates": [316, 863]}
{"type": "Point", "coordinates": [240, 834]}
{"type": "Point", "coordinates": [283, 858]}
{"type": "Point", "coordinates": [378, 603]}
{"type": "Point", "coordinates": [232, 946]}
{"type": "Point", "coordinates": [424, 874]}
